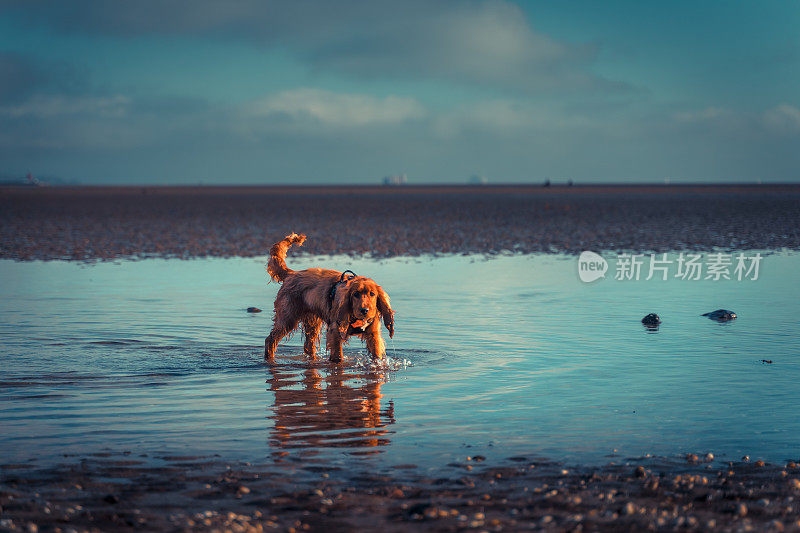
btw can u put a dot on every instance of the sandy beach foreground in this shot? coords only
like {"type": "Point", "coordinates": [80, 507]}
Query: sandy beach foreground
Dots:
{"type": "Point", "coordinates": [124, 493]}
{"type": "Point", "coordinates": [85, 223]}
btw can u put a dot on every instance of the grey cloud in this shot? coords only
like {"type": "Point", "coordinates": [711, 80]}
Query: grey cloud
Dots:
{"type": "Point", "coordinates": [18, 77]}
{"type": "Point", "coordinates": [488, 42]}
{"type": "Point", "coordinates": [22, 76]}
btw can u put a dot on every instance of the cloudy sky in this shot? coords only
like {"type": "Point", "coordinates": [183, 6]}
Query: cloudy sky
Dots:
{"type": "Point", "coordinates": [253, 91]}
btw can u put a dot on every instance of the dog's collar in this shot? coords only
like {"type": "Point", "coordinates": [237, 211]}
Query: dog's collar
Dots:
{"type": "Point", "coordinates": [343, 279]}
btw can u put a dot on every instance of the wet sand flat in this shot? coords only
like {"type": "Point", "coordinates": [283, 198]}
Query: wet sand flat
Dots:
{"type": "Point", "coordinates": [116, 493]}
{"type": "Point", "coordinates": [82, 223]}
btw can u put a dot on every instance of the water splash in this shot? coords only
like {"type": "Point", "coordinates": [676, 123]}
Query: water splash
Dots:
{"type": "Point", "coordinates": [387, 364]}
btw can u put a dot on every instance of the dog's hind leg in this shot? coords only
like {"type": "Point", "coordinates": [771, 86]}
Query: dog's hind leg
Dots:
{"type": "Point", "coordinates": [311, 329]}
{"type": "Point", "coordinates": [279, 330]}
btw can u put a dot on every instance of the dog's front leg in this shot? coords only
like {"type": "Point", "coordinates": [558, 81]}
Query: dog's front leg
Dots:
{"type": "Point", "coordinates": [334, 342]}
{"type": "Point", "coordinates": [375, 345]}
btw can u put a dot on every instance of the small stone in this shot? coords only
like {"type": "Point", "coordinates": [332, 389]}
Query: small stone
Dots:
{"type": "Point", "coordinates": [746, 458]}
{"type": "Point", "coordinates": [741, 510]}
{"type": "Point", "coordinates": [721, 315]}
{"type": "Point", "coordinates": [691, 458]}
{"type": "Point", "coordinates": [776, 525]}
{"type": "Point", "coordinates": [478, 458]}
{"type": "Point", "coordinates": [244, 490]}
{"type": "Point", "coordinates": [253, 310]}
{"type": "Point", "coordinates": [759, 463]}
{"type": "Point", "coordinates": [651, 319]}
{"type": "Point", "coordinates": [629, 509]}
{"type": "Point", "coordinates": [709, 457]}
{"type": "Point", "coordinates": [111, 498]}
{"type": "Point", "coordinates": [639, 472]}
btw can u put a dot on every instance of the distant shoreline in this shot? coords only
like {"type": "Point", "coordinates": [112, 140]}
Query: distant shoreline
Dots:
{"type": "Point", "coordinates": [433, 188]}
{"type": "Point", "coordinates": [111, 222]}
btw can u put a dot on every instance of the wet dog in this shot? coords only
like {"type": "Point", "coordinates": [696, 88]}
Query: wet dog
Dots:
{"type": "Point", "coordinates": [348, 304]}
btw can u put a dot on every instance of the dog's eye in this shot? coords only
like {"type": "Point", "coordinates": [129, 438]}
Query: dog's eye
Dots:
{"type": "Point", "coordinates": [356, 294]}
{"type": "Point", "coordinates": [372, 293]}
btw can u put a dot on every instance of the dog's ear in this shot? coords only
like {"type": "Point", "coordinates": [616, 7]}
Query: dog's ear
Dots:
{"type": "Point", "coordinates": [343, 308]}
{"type": "Point", "coordinates": [385, 308]}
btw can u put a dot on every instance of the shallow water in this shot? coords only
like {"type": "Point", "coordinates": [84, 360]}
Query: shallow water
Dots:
{"type": "Point", "coordinates": [508, 356]}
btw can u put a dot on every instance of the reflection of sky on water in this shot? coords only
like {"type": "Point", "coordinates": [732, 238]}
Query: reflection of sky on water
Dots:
{"type": "Point", "coordinates": [508, 356]}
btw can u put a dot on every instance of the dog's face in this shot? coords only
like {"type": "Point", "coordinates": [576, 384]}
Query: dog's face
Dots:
{"type": "Point", "coordinates": [365, 300]}
{"type": "Point", "coordinates": [363, 295]}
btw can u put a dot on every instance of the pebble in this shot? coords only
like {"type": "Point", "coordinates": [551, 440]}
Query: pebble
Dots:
{"type": "Point", "coordinates": [651, 319]}
{"type": "Point", "coordinates": [776, 525]}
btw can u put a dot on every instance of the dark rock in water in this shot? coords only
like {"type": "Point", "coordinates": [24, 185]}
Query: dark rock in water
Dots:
{"type": "Point", "coordinates": [720, 315]}
{"type": "Point", "coordinates": [651, 320]}
{"type": "Point", "coordinates": [253, 310]}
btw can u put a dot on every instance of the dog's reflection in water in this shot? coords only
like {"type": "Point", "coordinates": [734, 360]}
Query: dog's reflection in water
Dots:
{"type": "Point", "coordinates": [328, 406]}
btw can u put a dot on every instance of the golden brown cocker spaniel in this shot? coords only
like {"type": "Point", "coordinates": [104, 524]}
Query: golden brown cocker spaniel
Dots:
{"type": "Point", "coordinates": [347, 305]}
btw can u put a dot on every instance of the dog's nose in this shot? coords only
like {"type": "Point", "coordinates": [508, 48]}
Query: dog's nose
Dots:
{"type": "Point", "coordinates": [364, 310]}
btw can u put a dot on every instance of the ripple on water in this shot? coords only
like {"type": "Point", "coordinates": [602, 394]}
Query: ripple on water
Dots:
{"type": "Point", "coordinates": [510, 356]}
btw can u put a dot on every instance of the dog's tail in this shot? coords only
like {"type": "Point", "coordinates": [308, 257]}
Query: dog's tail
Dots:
{"type": "Point", "coordinates": [277, 256]}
